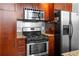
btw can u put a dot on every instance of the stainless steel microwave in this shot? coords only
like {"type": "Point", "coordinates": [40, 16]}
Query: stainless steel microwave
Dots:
{"type": "Point", "coordinates": [33, 14]}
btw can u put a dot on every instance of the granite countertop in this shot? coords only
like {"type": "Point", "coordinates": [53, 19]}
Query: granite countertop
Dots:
{"type": "Point", "coordinates": [20, 36]}
{"type": "Point", "coordinates": [72, 53]}
{"type": "Point", "coordinates": [47, 34]}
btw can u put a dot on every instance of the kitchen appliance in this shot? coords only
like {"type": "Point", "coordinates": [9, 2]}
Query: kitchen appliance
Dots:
{"type": "Point", "coordinates": [69, 22]}
{"type": "Point", "coordinates": [37, 44]}
{"type": "Point", "coordinates": [33, 14]}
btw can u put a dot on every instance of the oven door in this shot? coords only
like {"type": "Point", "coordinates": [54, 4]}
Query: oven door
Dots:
{"type": "Point", "coordinates": [38, 49]}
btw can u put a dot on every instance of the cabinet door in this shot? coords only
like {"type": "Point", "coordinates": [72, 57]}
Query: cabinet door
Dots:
{"type": "Point", "coordinates": [8, 33]}
{"type": "Point", "coordinates": [45, 8]}
{"type": "Point", "coordinates": [20, 7]}
{"type": "Point", "coordinates": [36, 6]}
{"type": "Point", "coordinates": [28, 5]}
{"type": "Point", "coordinates": [68, 7]}
{"type": "Point", "coordinates": [59, 6]}
{"type": "Point", "coordinates": [51, 11]}
{"type": "Point", "coordinates": [0, 32]}
{"type": "Point", "coordinates": [51, 46]}
{"type": "Point", "coordinates": [19, 10]}
{"type": "Point", "coordinates": [21, 47]}
{"type": "Point", "coordinates": [63, 6]}
{"type": "Point", "coordinates": [7, 6]}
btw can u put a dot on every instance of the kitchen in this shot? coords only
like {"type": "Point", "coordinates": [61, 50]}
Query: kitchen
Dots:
{"type": "Point", "coordinates": [33, 28]}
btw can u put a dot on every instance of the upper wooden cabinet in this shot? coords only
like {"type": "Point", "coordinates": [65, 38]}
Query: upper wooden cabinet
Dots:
{"type": "Point", "coordinates": [36, 6]}
{"type": "Point", "coordinates": [40, 6]}
{"type": "Point", "coordinates": [19, 10]}
{"type": "Point", "coordinates": [45, 8]}
{"type": "Point", "coordinates": [68, 7]}
{"type": "Point", "coordinates": [51, 11]}
{"type": "Point", "coordinates": [7, 6]}
{"type": "Point", "coordinates": [63, 6]}
{"type": "Point", "coordinates": [59, 6]}
{"type": "Point", "coordinates": [21, 6]}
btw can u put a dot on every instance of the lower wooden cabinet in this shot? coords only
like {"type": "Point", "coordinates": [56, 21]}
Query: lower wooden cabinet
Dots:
{"type": "Point", "coordinates": [21, 47]}
{"type": "Point", "coordinates": [51, 46]}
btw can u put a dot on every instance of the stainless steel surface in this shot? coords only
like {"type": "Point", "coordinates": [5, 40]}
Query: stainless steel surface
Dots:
{"type": "Point", "coordinates": [65, 38]}
{"type": "Point", "coordinates": [36, 39]}
{"type": "Point", "coordinates": [70, 41]}
{"type": "Point", "coordinates": [75, 36]}
{"type": "Point", "coordinates": [31, 14]}
{"type": "Point", "coordinates": [31, 29]}
{"type": "Point", "coordinates": [38, 54]}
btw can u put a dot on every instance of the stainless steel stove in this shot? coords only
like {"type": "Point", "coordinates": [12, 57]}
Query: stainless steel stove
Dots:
{"type": "Point", "coordinates": [37, 44]}
{"type": "Point", "coordinates": [37, 39]}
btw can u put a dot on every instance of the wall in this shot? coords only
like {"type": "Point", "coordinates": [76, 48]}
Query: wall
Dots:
{"type": "Point", "coordinates": [75, 7]}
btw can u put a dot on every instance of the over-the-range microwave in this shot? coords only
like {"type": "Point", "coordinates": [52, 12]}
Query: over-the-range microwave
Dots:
{"type": "Point", "coordinates": [33, 14]}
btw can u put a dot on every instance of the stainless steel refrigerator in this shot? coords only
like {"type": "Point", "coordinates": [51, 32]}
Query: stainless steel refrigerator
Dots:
{"type": "Point", "coordinates": [69, 31]}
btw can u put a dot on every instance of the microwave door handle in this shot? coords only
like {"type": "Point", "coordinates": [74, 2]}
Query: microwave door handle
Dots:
{"type": "Point", "coordinates": [40, 15]}
{"type": "Point", "coordinates": [35, 12]}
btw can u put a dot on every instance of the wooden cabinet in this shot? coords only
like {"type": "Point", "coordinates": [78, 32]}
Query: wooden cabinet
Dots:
{"type": "Point", "coordinates": [8, 32]}
{"type": "Point", "coordinates": [45, 8]}
{"type": "Point", "coordinates": [7, 29]}
{"type": "Point", "coordinates": [0, 32]}
{"type": "Point", "coordinates": [63, 6]}
{"type": "Point", "coordinates": [68, 7]}
{"type": "Point", "coordinates": [51, 11]}
{"type": "Point", "coordinates": [21, 6]}
{"type": "Point", "coordinates": [19, 10]}
{"type": "Point", "coordinates": [59, 6]}
{"type": "Point", "coordinates": [51, 45]}
{"type": "Point", "coordinates": [7, 6]}
{"type": "Point", "coordinates": [21, 47]}
{"type": "Point", "coordinates": [48, 11]}
{"type": "Point", "coordinates": [35, 6]}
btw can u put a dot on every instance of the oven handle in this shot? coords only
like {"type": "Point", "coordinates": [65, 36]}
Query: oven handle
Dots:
{"type": "Point", "coordinates": [37, 43]}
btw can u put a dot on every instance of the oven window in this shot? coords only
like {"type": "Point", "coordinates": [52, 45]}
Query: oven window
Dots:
{"type": "Point", "coordinates": [37, 48]}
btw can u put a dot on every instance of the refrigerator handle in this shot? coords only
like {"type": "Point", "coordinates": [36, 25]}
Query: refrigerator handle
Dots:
{"type": "Point", "coordinates": [71, 29]}
{"type": "Point", "coordinates": [70, 32]}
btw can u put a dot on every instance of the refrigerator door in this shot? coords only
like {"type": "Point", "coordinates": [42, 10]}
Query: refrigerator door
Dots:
{"type": "Point", "coordinates": [75, 35]}
{"type": "Point", "coordinates": [64, 31]}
